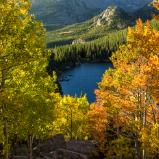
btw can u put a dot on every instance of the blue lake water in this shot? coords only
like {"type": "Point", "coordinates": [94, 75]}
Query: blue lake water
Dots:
{"type": "Point", "coordinates": [83, 79]}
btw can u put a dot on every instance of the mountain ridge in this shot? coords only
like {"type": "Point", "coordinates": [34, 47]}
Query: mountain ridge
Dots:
{"type": "Point", "coordinates": [96, 27]}
{"type": "Point", "coordinates": [112, 18]}
{"type": "Point", "coordinates": [63, 12]}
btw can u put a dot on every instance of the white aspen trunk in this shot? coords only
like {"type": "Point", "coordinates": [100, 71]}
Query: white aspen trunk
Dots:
{"type": "Point", "coordinates": [30, 147]}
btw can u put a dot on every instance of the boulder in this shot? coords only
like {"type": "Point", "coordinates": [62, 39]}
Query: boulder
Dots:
{"type": "Point", "coordinates": [20, 150]}
{"type": "Point", "coordinates": [45, 148]}
{"type": "Point", "coordinates": [19, 157]}
{"type": "Point", "coordinates": [88, 148]}
{"type": "Point", "coordinates": [57, 148]}
{"type": "Point", "coordinates": [66, 154]}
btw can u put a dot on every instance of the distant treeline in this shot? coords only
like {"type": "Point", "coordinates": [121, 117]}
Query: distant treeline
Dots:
{"type": "Point", "coordinates": [59, 43]}
{"type": "Point", "coordinates": [97, 50]}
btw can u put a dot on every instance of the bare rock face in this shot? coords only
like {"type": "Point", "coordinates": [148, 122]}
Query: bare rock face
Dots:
{"type": "Point", "coordinates": [107, 16]}
{"type": "Point", "coordinates": [113, 17]}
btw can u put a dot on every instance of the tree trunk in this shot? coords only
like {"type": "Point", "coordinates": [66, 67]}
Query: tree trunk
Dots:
{"type": "Point", "coordinates": [137, 147]}
{"type": "Point", "coordinates": [5, 131]}
{"type": "Point", "coordinates": [5, 123]}
{"type": "Point", "coordinates": [30, 147]}
{"type": "Point", "coordinates": [71, 126]}
{"type": "Point", "coordinates": [117, 120]}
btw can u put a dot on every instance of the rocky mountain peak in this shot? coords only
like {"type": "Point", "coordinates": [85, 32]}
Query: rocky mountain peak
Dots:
{"type": "Point", "coordinates": [113, 16]}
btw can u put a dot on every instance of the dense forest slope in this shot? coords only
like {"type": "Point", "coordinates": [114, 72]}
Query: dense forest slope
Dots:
{"type": "Point", "coordinates": [95, 39]}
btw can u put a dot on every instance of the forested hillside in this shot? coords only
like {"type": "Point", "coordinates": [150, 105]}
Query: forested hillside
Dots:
{"type": "Point", "coordinates": [111, 19]}
{"type": "Point", "coordinates": [95, 39]}
{"type": "Point", "coordinates": [97, 50]}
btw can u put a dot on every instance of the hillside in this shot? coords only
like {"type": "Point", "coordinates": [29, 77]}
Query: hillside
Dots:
{"type": "Point", "coordinates": [109, 20]}
{"type": "Point", "coordinates": [94, 39]}
{"type": "Point", "coordinates": [113, 18]}
{"type": "Point", "coordinates": [129, 5]}
{"type": "Point", "coordinates": [146, 12]}
{"type": "Point", "coordinates": [55, 13]}
{"type": "Point", "coordinates": [62, 12]}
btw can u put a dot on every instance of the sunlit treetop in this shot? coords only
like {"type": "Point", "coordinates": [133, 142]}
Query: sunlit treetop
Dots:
{"type": "Point", "coordinates": [156, 4]}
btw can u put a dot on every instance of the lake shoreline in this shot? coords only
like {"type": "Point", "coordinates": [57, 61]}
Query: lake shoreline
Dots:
{"type": "Point", "coordinates": [68, 66]}
{"type": "Point", "coordinates": [83, 79]}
